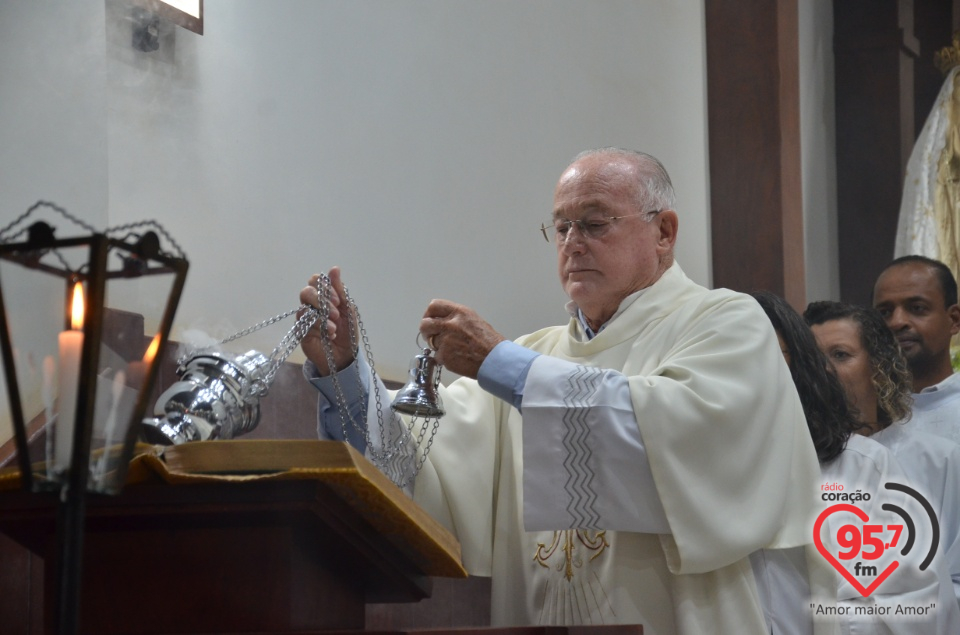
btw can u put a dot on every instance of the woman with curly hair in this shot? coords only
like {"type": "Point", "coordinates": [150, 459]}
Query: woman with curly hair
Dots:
{"type": "Point", "coordinates": [867, 360]}
{"type": "Point", "coordinates": [874, 373]}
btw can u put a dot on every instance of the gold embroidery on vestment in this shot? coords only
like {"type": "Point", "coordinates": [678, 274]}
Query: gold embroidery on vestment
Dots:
{"type": "Point", "coordinates": [567, 542]}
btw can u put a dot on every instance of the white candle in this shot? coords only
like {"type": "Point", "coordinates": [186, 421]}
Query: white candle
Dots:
{"type": "Point", "coordinates": [49, 408]}
{"type": "Point", "coordinates": [71, 347]}
{"type": "Point", "coordinates": [105, 463]}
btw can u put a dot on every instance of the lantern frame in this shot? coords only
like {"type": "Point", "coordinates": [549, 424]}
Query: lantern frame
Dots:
{"type": "Point", "coordinates": [141, 255]}
{"type": "Point", "coordinates": [141, 258]}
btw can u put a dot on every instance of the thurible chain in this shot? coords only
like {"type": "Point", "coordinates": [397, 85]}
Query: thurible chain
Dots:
{"type": "Point", "coordinates": [309, 317]}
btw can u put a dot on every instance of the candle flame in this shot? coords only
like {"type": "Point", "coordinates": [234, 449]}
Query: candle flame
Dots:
{"type": "Point", "coordinates": [152, 349]}
{"type": "Point", "coordinates": [76, 314]}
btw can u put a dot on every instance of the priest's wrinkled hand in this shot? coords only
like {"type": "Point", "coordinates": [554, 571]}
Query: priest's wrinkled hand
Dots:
{"type": "Point", "coordinates": [460, 337]}
{"type": "Point", "coordinates": [337, 327]}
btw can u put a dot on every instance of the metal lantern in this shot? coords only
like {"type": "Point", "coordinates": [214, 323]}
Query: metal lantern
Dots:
{"type": "Point", "coordinates": [78, 317]}
{"type": "Point", "coordinates": [81, 321]}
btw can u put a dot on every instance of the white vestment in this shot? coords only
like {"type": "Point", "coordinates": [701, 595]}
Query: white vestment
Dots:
{"type": "Point", "coordinates": [936, 409]}
{"type": "Point", "coordinates": [545, 503]}
{"type": "Point", "coordinates": [932, 465]}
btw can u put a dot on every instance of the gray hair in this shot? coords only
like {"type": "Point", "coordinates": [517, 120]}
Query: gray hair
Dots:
{"type": "Point", "coordinates": [655, 190]}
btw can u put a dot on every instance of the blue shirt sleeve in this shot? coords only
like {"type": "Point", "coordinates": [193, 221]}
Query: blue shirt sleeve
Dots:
{"type": "Point", "coordinates": [504, 372]}
{"type": "Point", "coordinates": [355, 383]}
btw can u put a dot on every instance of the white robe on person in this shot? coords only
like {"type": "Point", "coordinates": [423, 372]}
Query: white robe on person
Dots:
{"type": "Point", "coordinates": [936, 409]}
{"type": "Point", "coordinates": [546, 502]}
{"type": "Point", "coordinates": [932, 467]}
{"type": "Point", "coordinates": [910, 600]}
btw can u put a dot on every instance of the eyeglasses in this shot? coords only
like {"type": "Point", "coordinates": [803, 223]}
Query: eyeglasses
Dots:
{"type": "Point", "coordinates": [591, 227]}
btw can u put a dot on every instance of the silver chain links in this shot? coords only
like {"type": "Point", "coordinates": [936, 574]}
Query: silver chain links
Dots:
{"type": "Point", "coordinates": [280, 353]}
{"type": "Point", "coordinates": [324, 288]}
{"type": "Point", "coordinates": [264, 324]}
{"type": "Point", "coordinates": [389, 452]}
{"type": "Point", "coordinates": [423, 430]}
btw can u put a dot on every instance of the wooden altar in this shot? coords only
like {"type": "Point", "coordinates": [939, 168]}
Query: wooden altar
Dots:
{"type": "Point", "coordinates": [294, 551]}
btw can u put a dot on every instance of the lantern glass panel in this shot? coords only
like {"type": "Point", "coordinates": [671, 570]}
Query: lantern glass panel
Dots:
{"type": "Point", "coordinates": [34, 303]}
{"type": "Point", "coordinates": [133, 313]}
{"type": "Point", "coordinates": [127, 307]}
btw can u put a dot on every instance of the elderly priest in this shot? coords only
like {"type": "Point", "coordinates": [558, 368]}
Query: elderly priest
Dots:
{"type": "Point", "coordinates": [621, 468]}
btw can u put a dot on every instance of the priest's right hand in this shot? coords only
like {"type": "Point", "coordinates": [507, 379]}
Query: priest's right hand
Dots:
{"type": "Point", "coordinates": [337, 328]}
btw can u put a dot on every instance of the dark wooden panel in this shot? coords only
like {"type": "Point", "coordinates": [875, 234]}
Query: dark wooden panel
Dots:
{"type": "Point", "coordinates": [454, 603]}
{"type": "Point", "coordinates": [15, 587]}
{"type": "Point", "coordinates": [271, 555]}
{"type": "Point", "coordinates": [874, 50]}
{"type": "Point", "coordinates": [753, 115]}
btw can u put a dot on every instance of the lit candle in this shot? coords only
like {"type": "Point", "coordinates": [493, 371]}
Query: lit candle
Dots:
{"type": "Point", "coordinates": [71, 345]}
{"type": "Point", "coordinates": [137, 370]}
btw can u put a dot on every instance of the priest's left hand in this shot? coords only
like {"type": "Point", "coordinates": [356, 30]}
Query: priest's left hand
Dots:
{"type": "Point", "coordinates": [460, 337]}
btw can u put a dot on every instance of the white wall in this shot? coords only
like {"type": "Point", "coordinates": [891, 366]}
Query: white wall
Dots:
{"type": "Point", "coordinates": [53, 108]}
{"type": "Point", "coordinates": [413, 142]}
{"type": "Point", "coordinates": [53, 119]}
{"type": "Point", "coordinates": [818, 150]}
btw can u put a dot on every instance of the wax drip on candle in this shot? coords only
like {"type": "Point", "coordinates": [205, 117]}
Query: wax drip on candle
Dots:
{"type": "Point", "coordinates": [49, 397]}
{"type": "Point", "coordinates": [116, 392]}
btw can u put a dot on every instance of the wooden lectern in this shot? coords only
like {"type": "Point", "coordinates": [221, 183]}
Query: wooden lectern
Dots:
{"type": "Point", "coordinates": [218, 537]}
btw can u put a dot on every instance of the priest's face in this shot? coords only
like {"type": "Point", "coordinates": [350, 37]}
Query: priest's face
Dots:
{"type": "Point", "coordinates": [611, 248]}
{"type": "Point", "coordinates": [840, 341]}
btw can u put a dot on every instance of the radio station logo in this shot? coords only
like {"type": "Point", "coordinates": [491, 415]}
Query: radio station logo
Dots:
{"type": "Point", "coordinates": [867, 550]}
